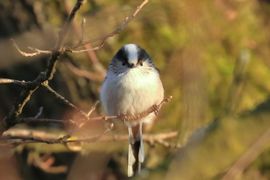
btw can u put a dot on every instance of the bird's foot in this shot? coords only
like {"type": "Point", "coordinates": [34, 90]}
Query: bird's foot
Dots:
{"type": "Point", "coordinates": [156, 109]}
{"type": "Point", "coordinates": [124, 117]}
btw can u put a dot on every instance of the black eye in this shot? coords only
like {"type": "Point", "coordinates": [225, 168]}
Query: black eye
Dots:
{"type": "Point", "coordinates": [123, 63]}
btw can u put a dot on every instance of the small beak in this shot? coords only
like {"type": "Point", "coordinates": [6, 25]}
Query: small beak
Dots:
{"type": "Point", "coordinates": [132, 62]}
{"type": "Point", "coordinates": [132, 65]}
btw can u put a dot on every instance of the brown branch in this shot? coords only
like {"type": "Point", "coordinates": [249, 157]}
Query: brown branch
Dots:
{"type": "Point", "coordinates": [134, 118]}
{"type": "Point", "coordinates": [88, 119]}
{"type": "Point", "coordinates": [87, 44]}
{"type": "Point", "coordinates": [39, 112]}
{"type": "Point", "coordinates": [13, 81]}
{"type": "Point", "coordinates": [83, 73]}
{"type": "Point", "coordinates": [40, 120]}
{"type": "Point", "coordinates": [63, 99]}
{"type": "Point", "coordinates": [91, 54]}
{"type": "Point", "coordinates": [248, 157]}
{"type": "Point", "coordinates": [34, 136]}
{"type": "Point", "coordinates": [44, 76]}
{"type": "Point", "coordinates": [87, 115]}
{"type": "Point", "coordinates": [45, 163]}
{"type": "Point", "coordinates": [93, 108]}
{"type": "Point", "coordinates": [35, 51]}
{"type": "Point", "coordinates": [118, 29]}
{"type": "Point", "coordinates": [166, 144]}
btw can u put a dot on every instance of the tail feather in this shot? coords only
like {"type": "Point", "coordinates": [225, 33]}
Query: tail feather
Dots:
{"type": "Point", "coordinates": [141, 149]}
{"type": "Point", "coordinates": [131, 160]}
{"type": "Point", "coordinates": [135, 150]}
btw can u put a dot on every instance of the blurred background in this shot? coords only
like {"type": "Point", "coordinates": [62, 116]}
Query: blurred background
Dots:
{"type": "Point", "coordinates": [213, 57]}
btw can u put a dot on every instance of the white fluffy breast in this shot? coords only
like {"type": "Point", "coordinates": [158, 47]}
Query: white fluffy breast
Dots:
{"type": "Point", "coordinates": [132, 92]}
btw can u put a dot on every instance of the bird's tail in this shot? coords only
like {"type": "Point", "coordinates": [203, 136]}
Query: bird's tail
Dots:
{"type": "Point", "coordinates": [135, 150]}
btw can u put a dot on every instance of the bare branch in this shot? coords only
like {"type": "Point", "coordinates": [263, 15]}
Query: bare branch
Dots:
{"type": "Point", "coordinates": [87, 115]}
{"type": "Point", "coordinates": [13, 81]}
{"type": "Point", "coordinates": [39, 112]}
{"type": "Point", "coordinates": [40, 120]}
{"type": "Point", "coordinates": [63, 99]}
{"type": "Point", "coordinates": [37, 136]}
{"type": "Point", "coordinates": [79, 30]}
{"type": "Point", "coordinates": [124, 117]}
{"type": "Point", "coordinates": [84, 73]}
{"type": "Point", "coordinates": [167, 144]}
{"type": "Point", "coordinates": [34, 52]}
{"type": "Point", "coordinates": [119, 28]}
{"type": "Point", "coordinates": [43, 76]}
{"type": "Point", "coordinates": [139, 116]}
{"type": "Point", "coordinates": [63, 32]}
{"type": "Point", "coordinates": [45, 162]}
{"type": "Point", "coordinates": [93, 108]}
{"type": "Point", "coordinates": [40, 51]}
{"type": "Point", "coordinates": [248, 157]}
{"type": "Point", "coordinates": [98, 47]}
{"type": "Point", "coordinates": [82, 29]}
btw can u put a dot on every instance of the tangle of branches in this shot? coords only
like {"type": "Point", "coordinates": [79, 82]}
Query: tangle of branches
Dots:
{"type": "Point", "coordinates": [43, 81]}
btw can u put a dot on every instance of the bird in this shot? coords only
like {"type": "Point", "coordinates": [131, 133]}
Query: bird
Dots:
{"type": "Point", "coordinates": [131, 86]}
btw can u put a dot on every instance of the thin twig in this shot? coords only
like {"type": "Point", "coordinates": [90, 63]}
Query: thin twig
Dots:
{"type": "Point", "coordinates": [40, 120]}
{"type": "Point", "coordinates": [79, 30]}
{"type": "Point", "coordinates": [40, 111]}
{"type": "Point", "coordinates": [82, 29]}
{"type": "Point", "coordinates": [13, 81]}
{"type": "Point", "coordinates": [248, 157]}
{"type": "Point", "coordinates": [63, 99]}
{"type": "Point", "coordinates": [166, 144]}
{"type": "Point", "coordinates": [93, 108]}
{"type": "Point", "coordinates": [45, 163]}
{"type": "Point", "coordinates": [43, 76]}
{"type": "Point", "coordinates": [47, 74]}
{"type": "Point", "coordinates": [119, 28]}
{"type": "Point", "coordinates": [35, 51]}
{"type": "Point", "coordinates": [34, 136]}
{"type": "Point", "coordinates": [86, 115]}
{"type": "Point", "coordinates": [135, 118]}
{"type": "Point", "coordinates": [98, 47]}
{"type": "Point", "coordinates": [83, 73]}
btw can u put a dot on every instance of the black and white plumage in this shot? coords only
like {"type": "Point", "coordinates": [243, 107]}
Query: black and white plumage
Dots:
{"type": "Point", "coordinates": [132, 86]}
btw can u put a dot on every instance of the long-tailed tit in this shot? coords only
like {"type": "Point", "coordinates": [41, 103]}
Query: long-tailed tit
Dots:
{"type": "Point", "coordinates": [132, 86]}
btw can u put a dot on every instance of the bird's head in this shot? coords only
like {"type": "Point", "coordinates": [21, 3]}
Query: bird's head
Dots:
{"type": "Point", "coordinates": [131, 57]}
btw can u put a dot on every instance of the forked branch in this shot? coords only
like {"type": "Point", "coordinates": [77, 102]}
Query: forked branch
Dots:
{"type": "Point", "coordinates": [43, 76]}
